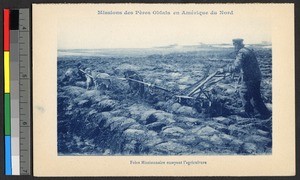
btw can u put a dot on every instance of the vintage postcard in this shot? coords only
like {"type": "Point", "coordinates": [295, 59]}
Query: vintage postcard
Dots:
{"type": "Point", "coordinates": [163, 89]}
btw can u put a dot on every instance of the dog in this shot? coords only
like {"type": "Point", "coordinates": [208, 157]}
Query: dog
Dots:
{"type": "Point", "coordinates": [136, 88]}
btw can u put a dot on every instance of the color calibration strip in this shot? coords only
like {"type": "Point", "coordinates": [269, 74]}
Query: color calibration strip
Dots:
{"type": "Point", "coordinates": [17, 97]}
{"type": "Point", "coordinates": [7, 107]}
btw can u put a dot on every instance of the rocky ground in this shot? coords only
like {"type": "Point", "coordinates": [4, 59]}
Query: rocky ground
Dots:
{"type": "Point", "coordinates": [116, 122]}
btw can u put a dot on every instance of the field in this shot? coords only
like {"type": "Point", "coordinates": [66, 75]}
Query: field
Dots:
{"type": "Point", "coordinates": [116, 120]}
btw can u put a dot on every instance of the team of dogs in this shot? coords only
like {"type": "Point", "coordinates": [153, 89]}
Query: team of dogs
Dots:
{"type": "Point", "coordinates": [102, 81]}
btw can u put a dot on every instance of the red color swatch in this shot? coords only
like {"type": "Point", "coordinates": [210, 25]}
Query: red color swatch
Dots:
{"type": "Point", "coordinates": [6, 29]}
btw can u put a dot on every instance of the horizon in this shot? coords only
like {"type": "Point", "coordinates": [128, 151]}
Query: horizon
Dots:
{"type": "Point", "coordinates": [173, 46]}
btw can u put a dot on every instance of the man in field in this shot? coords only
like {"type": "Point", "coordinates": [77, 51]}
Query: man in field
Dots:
{"type": "Point", "coordinates": [247, 65]}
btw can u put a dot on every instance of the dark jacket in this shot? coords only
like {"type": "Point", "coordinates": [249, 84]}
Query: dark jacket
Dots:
{"type": "Point", "coordinates": [247, 64]}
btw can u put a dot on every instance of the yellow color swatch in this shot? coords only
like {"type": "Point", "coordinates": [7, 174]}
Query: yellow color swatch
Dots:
{"type": "Point", "coordinates": [6, 72]}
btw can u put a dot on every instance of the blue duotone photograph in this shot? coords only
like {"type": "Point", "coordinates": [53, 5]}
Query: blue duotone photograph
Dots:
{"type": "Point", "coordinates": [132, 88]}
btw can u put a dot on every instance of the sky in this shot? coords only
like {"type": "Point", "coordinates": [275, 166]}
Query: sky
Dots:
{"type": "Point", "coordinates": [148, 31]}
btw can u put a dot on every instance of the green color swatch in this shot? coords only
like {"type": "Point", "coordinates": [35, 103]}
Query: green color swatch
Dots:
{"type": "Point", "coordinates": [7, 127]}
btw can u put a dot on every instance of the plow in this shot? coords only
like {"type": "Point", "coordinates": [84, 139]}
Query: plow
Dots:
{"type": "Point", "coordinates": [202, 95]}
